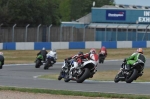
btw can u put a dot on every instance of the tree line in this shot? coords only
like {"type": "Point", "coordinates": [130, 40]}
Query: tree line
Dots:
{"type": "Point", "coordinates": [46, 12]}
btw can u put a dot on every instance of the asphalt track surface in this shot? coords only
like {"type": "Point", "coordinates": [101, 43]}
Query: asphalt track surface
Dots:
{"type": "Point", "coordinates": [26, 76]}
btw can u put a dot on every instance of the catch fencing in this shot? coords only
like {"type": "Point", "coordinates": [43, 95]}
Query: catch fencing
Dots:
{"type": "Point", "coordinates": [45, 34]}
{"type": "Point", "coordinates": [71, 34]}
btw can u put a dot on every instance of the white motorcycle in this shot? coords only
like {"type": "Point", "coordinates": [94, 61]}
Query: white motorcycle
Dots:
{"type": "Point", "coordinates": [83, 72]}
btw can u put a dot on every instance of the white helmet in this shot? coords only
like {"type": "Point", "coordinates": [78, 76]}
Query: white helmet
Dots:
{"type": "Point", "coordinates": [1, 53]}
{"type": "Point", "coordinates": [43, 48]}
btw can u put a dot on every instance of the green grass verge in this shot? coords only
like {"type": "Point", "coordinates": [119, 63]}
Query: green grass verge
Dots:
{"type": "Point", "coordinates": [29, 56]}
{"type": "Point", "coordinates": [76, 93]}
{"type": "Point", "coordinates": [105, 76]}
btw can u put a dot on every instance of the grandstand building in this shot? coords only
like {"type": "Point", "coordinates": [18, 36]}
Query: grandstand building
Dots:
{"type": "Point", "coordinates": [116, 23]}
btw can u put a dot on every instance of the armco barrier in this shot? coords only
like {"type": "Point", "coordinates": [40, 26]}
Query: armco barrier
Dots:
{"type": "Point", "coordinates": [72, 45]}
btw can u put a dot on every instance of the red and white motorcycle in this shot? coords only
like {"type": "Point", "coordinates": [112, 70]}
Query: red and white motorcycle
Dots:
{"type": "Point", "coordinates": [85, 71]}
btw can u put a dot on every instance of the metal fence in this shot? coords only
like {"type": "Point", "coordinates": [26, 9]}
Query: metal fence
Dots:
{"type": "Point", "coordinates": [68, 34]}
{"type": "Point", "coordinates": [45, 34]}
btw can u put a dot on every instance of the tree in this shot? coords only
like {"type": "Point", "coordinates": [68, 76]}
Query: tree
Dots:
{"type": "Point", "coordinates": [4, 11]}
{"type": "Point", "coordinates": [46, 12]}
{"type": "Point", "coordinates": [80, 8]}
{"type": "Point", "coordinates": [34, 12]}
{"type": "Point", "coordinates": [64, 9]}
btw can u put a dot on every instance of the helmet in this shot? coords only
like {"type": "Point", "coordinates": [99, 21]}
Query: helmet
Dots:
{"type": "Point", "coordinates": [140, 50]}
{"type": "Point", "coordinates": [43, 48]}
{"type": "Point", "coordinates": [80, 53]}
{"type": "Point", "coordinates": [1, 53]}
{"type": "Point", "coordinates": [92, 51]}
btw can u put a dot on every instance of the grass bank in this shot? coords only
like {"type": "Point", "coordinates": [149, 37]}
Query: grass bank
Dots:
{"type": "Point", "coordinates": [105, 76]}
{"type": "Point", "coordinates": [77, 93]}
{"type": "Point", "coordinates": [28, 56]}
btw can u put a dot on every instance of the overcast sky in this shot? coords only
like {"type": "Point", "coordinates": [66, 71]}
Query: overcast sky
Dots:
{"type": "Point", "coordinates": [134, 2]}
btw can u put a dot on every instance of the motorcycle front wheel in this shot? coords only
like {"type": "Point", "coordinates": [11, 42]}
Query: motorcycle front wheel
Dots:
{"type": "Point", "coordinates": [84, 76]}
{"type": "Point", "coordinates": [66, 78]}
{"type": "Point", "coordinates": [116, 79]}
{"type": "Point", "coordinates": [46, 66]}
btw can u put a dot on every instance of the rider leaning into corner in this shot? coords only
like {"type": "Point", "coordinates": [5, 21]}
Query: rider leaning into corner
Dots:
{"type": "Point", "coordinates": [77, 59]}
{"type": "Point", "coordinates": [53, 55]}
{"type": "Point", "coordinates": [103, 50]}
{"type": "Point", "coordinates": [138, 55]}
{"type": "Point", "coordinates": [43, 52]}
{"type": "Point", "coordinates": [80, 56]}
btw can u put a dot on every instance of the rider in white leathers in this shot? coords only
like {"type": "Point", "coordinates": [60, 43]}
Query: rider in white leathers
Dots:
{"type": "Point", "coordinates": [53, 55]}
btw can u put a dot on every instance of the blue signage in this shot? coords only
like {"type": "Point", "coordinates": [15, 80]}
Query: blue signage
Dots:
{"type": "Point", "coordinates": [115, 15]}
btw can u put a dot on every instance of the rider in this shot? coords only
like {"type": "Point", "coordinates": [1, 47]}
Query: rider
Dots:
{"type": "Point", "coordinates": [134, 57]}
{"type": "Point", "coordinates": [103, 50]}
{"type": "Point", "coordinates": [53, 55]}
{"type": "Point", "coordinates": [1, 60]}
{"type": "Point", "coordinates": [43, 52]}
{"type": "Point", "coordinates": [78, 59]}
{"type": "Point", "coordinates": [93, 55]}
{"type": "Point", "coordinates": [80, 56]}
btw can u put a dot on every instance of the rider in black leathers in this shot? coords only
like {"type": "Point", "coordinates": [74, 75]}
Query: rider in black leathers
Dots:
{"type": "Point", "coordinates": [43, 52]}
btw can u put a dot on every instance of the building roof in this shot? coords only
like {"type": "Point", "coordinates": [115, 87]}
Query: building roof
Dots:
{"type": "Point", "coordinates": [122, 26]}
{"type": "Point", "coordinates": [117, 6]}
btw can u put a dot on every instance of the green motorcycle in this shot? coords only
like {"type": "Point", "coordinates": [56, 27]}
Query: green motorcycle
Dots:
{"type": "Point", "coordinates": [38, 61]}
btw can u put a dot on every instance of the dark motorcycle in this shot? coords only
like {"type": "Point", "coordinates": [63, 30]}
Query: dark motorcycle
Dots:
{"type": "Point", "coordinates": [1, 66]}
{"type": "Point", "coordinates": [132, 74]}
{"type": "Point", "coordinates": [101, 58]}
{"type": "Point", "coordinates": [64, 73]}
{"type": "Point", "coordinates": [38, 61]}
{"type": "Point", "coordinates": [49, 62]}
{"type": "Point", "coordinates": [83, 72]}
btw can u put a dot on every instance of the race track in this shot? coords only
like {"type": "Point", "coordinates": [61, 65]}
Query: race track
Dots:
{"type": "Point", "coordinates": [26, 76]}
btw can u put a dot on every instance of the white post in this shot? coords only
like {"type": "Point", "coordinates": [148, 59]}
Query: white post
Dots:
{"type": "Point", "coordinates": [38, 32]}
{"type": "Point", "coordinates": [49, 32]}
{"type": "Point", "coordinates": [13, 32]}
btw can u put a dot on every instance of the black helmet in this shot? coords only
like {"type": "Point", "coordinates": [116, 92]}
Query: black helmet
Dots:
{"type": "Point", "coordinates": [80, 53]}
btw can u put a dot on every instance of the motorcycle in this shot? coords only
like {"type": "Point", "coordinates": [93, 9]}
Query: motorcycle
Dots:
{"type": "Point", "coordinates": [1, 66]}
{"type": "Point", "coordinates": [64, 73]}
{"type": "Point", "coordinates": [101, 58]}
{"type": "Point", "coordinates": [135, 71]}
{"type": "Point", "coordinates": [48, 63]}
{"type": "Point", "coordinates": [38, 61]}
{"type": "Point", "coordinates": [83, 72]}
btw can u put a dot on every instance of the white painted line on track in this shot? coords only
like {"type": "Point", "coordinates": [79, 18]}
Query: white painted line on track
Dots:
{"type": "Point", "coordinates": [36, 76]}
